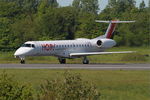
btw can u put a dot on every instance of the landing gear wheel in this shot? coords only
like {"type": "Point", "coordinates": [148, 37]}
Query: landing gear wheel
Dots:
{"type": "Point", "coordinates": [85, 61]}
{"type": "Point", "coordinates": [22, 61]}
{"type": "Point", "coordinates": [62, 60]}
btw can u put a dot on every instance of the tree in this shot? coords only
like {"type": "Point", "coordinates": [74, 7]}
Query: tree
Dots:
{"type": "Point", "coordinates": [50, 3]}
{"type": "Point", "coordinates": [8, 13]}
{"type": "Point", "coordinates": [125, 5]}
{"type": "Point", "coordinates": [24, 30]}
{"type": "Point", "coordinates": [23, 20]}
{"type": "Point", "coordinates": [69, 15]}
{"type": "Point", "coordinates": [53, 3]}
{"type": "Point", "coordinates": [45, 4]}
{"type": "Point", "coordinates": [116, 8]}
{"type": "Point", "coordinates": [112, 3]}
{"type": "Point", "coordinates": [90, 6]}
{"type": "Point", "coordinates": [30, 6]}
{"type": "Point", "coordinates": [58, 23]}
{"type": "Point", "coordinates": [76, 3]}
{"type": "Point", "coordinates": [86, 26]}
{"type": "Point", "coordinates": [142, 5]}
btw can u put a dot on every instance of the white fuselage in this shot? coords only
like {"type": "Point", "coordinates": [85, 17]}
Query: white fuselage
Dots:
{"type": "Point", "coordinates": [63, 48]}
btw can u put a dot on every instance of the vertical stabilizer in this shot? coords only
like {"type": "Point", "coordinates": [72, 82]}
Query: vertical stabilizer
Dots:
{"type": "Point", "coordinates": [110, 30]}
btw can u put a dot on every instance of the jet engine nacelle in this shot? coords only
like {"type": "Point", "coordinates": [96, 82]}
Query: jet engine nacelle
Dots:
{"type": "Point", "coordinates": [106, 43]}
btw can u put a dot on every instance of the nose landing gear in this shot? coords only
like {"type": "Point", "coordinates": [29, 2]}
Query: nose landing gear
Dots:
{"type": "Point", "coordinates": [22, 60]}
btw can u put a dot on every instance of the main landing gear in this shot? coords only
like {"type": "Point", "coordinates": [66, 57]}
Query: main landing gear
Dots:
{"type": "Point", "coordinates": [62, 60]}
{"type": "Point", "coordinates": [85, 60]}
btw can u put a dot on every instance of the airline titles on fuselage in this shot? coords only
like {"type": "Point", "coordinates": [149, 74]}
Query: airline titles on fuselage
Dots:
{"type": "Point", "coordinates": [47, 47]}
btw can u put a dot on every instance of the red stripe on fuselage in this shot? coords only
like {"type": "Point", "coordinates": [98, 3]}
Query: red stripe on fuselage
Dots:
{"type": "Point", "coordinates": [111, 30]}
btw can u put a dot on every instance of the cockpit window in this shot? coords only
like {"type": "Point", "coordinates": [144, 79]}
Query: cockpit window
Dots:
{"type": "Point", "coordinates": [28, 45]}
{"type": "Point", "coordinates": [33, 46]}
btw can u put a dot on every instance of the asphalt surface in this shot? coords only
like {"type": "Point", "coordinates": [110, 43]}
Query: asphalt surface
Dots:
{"type": "Point", "coordinates": [78, 66]}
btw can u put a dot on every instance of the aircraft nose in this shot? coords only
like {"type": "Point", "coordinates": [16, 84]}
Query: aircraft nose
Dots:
{"type": "Point", "coordinates": [18, 53]}
{"type": "Point", "coordinates": [21, 52]}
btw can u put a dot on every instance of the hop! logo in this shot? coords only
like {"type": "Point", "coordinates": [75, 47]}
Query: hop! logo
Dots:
{"type": "Point", "coordinates": [47, 47]}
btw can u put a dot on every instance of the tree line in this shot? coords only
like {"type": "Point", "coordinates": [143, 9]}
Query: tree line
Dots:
{"type": "Point", "coordinates": [33, 20]}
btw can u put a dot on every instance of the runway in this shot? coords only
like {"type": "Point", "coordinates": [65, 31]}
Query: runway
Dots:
{"type": "Point", "coordinates": [78, 66]}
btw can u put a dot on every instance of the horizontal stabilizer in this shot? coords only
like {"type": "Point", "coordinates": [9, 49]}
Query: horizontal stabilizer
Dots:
{"type": "Point", "coordinates": [111, 28]}
{"type": "Point", "coordinates": [98, 53]}
{"type": "Point", "coordinates": [114, 21]}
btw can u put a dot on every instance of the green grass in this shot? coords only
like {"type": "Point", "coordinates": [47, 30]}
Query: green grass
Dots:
{"type": "Point", "coordinates": [7, 57]}
{"type": "Point", "coordinates": [113, 85]}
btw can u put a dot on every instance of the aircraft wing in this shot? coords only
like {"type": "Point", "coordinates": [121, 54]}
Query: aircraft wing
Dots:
{"type": "Point", "coordinates": [98, 53]}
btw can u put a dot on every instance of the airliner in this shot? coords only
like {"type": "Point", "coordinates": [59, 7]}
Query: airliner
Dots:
{"type": "Point", "coordinates": [78, 48]}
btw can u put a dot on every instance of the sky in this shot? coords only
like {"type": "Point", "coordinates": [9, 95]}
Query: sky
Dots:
{"type": "Point", "coordinates": [103, 3]}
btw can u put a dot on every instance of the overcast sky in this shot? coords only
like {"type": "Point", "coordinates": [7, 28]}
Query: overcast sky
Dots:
{"type": "Point", "coordinates": [103, 3]}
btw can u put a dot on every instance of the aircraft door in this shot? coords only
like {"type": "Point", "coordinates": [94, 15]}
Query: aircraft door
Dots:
{"type": "Point", "coordinates": [39, 49]}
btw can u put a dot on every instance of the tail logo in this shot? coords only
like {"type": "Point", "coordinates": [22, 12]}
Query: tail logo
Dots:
{"type": "Point", "coordinates": [110, 31]}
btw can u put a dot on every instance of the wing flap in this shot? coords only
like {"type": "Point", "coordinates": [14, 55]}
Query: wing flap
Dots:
{"type": "Point", "coordinates": [99, 53]}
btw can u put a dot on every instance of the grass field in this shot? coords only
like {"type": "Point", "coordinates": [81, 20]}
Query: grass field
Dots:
{"type": "Point", "coordinates": [140, 57]}
{"type": "Point", "coordinates": [113, 85]}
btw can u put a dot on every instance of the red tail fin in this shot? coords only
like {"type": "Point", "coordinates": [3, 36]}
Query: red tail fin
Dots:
{"type": "Point", "coordinates": [109, 33]}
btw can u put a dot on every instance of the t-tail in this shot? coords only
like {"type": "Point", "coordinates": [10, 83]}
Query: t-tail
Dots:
{"type": "Point", "coordinates": [111, 28]}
